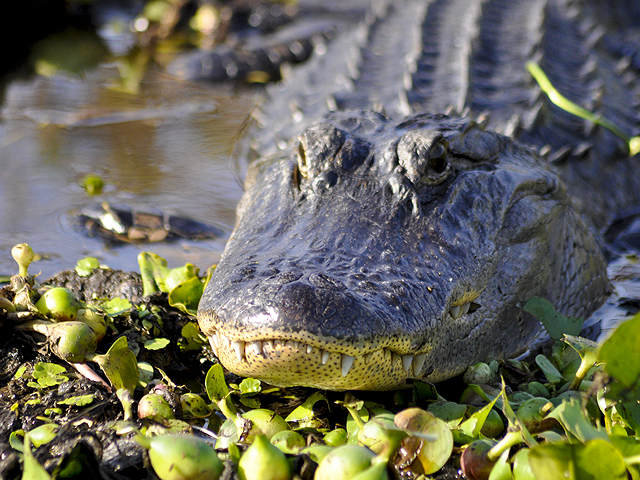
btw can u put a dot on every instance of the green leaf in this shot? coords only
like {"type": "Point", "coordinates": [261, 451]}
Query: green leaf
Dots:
{"type": "Point", "coordinates": [116, 306]}
{"type": "Point", "coordinates": [179, 275]}
{"type": "Point", "coordinates": [48, 375]}
{"type": "Point", "coordinates": [630, 413]}
{"type": "Point", "coordinates": [191, 339]}
{"type": "Point", "coordinates": [555, 323]}
{"type": "Point", "coordinates": [78, 401]}
{"type": "Point", "coordinates": [521, 468]}
{"type": "Point", "coordinates": [621, 353]}
{"type": "Point", "coordinates": [449, 412]}
{"type": "Point", "coordinates": [86, 265]}
{"type": "Point", "coordinates": [16, 440]}
{"type": "Point", "coordinates": [575, 422]}
{"type": "Point", "coordinates": [549, 370]}
{"type": "Point", "coordinates": [32, 470]}
{"type": "Point", "coordinates": [153, 270]}
{"type": "Point", "coordinates": [596, 460]}
{"type": "Point", "coordinates": [633, 143]}
{"type": "Point", "coordinates": [304, 412]}
{"type": "Point", "coordinates": [469, 430]}
{"type": "Point", "coordinates": [120, 366]}
{"type": "Point", "coordinates": [215, 384]}
{"type": "Point", "coordinates": [156, 343]}
{"type": "Point", "coordinates": [502, 469]}
{"type": "Point", "coordinates": [186, 295]}
{"type": "Point", "coordinates": [249, 386]}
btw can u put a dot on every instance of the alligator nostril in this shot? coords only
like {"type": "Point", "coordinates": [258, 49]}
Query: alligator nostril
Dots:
{"type": "Point", "coordinates": [324, 181]}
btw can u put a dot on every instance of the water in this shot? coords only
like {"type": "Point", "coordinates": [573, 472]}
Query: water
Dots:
{"type": "Point", "coordinates": [167, 147]}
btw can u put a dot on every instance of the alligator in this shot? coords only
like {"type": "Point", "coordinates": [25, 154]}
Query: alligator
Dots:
{"type": "Point", "coordinates": [413, 186]}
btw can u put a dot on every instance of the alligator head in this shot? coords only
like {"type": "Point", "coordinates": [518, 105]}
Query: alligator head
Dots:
{"type": "Point", "coordinates": [371, 252]}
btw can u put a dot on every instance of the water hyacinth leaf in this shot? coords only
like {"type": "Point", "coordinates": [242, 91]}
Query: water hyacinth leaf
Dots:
{"type": "Point", "coordinates": [48, 375]}
{"type": "Point", "coordinates": [43, 434]}
{"type": "Point", "coordinates": [621, 353]}
{"type": "Point", "coordinates": [449, 412]}
{"type": "Point", "coordinates": [437, 438]}
{"type": "Point", "coordinates": [31, 469]}
{"type": "Point", "coordinates": [186, 295]}
{"type": "Point", "coordinates": [116, 306]}
{"type": "Point", "coordinates": [502, 469]}
{"type": "Point", "coordinates": [146, 373]}
{"type": "Point", "coordinates": [156, 343]}
{"type": "Point", "coordinates": [153, 270]}
{"type": "Point", "coordinates": [215, 384]}
{"type": "Point", "coordinates": [575, 422]}
{"type": "Point", "coordinates": [179, 275]}
{"type": "Point", "coordinates": [550, 371]}
{"type": "Point", "coordinates": [629, 411]}
{"type": "Point", "coordinates": [191, 338]}
{"type": "Point", "coordinates": [78, 401]}
{"type": "Point", "coordinates": [86, 265]}
{"type": "Point", "coordinates": [515, 424]}
{"type": "Point", "coordinates": [304, 412]}
{"type": "Point", "coordinates": [521, 468]}
{"type": "Point", "coordinates": [597, 459]}
{"type": "Point", "coordinates": [250, 386]}
{"type": "Point", "coordinates": [470, 429]}
{"type": "Point", "coordinates": [120, 366]}
{"type": "Point", "coordinates": [16, 440]}
{"type": "Point", "coordinates": [554, 323]}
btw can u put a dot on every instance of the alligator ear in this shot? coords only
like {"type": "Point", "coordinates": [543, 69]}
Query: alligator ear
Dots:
{"type": "Point", "coordinates": [318, 143]}
{"type": "Point", "coordinates": [475, 143]}
{"type": "Point", "coordinates": [424, 156]}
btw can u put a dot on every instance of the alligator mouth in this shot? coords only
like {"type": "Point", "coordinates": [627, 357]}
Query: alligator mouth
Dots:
{"type": "Point", "coordinates": [305, 360]}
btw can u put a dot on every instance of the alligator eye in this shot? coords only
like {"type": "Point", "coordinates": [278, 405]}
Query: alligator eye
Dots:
{"type": "Point", "coordinates": [438, 158]}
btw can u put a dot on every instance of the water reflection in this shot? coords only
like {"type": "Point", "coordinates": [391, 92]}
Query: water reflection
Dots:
{"type": "Point", "coordinates": [167, 147]}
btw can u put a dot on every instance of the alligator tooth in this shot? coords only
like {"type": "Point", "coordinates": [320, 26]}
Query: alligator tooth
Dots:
{"type": "Point", "coordinates": [238, 347]}
{"type": "Point", "coordinates": [296, 345]}
{"type": "Point", "coordinates": [214, 339]}
{"type": "Point", "coordinates": [407, 360]}
{"type": "Point", "coordinates": [367, 357]}
{"type": "Point", "coordinates": [325, 357]}
{"type": "Point", "coordinates": [394, 357]}
{"type": "Point", "coordinates": [464, 309]}
{"type": "Point", "coordinates": [268, 342]}
{"type": "Point", "coordinates": [255, 347]}
{"type": "Point", "coordinates": [418, 363]}
{"type": "Point", "coordinates": [214, 347]}
{"type": "Point", "coordinates": [225, 339]}
{"type": "Point", "coordinates": [309, 349]}
{"type": "Point", "coordinates": [347, 363]}
{"type": "Point", "coordinates": [455, 312]}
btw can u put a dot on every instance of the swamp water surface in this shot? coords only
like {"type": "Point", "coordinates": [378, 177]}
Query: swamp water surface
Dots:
{"type": "Point", "coordinates": [167, 148]}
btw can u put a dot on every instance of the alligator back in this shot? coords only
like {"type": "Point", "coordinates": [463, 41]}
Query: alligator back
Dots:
{"type": "Point", "coordinates": [468, 57]}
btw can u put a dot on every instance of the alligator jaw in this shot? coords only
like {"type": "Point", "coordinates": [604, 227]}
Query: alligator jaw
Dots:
{"type": "Point", "coordinates": [305, 361]}
{"type": "Point", "coordinates": [292, 362]}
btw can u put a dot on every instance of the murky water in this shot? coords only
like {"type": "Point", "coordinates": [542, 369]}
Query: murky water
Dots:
{"type": "Point", "coordinates": [167, 148]}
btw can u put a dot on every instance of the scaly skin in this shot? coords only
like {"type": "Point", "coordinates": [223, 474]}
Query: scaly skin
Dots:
{"type": "Point", "coordinates": [375, 249]}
